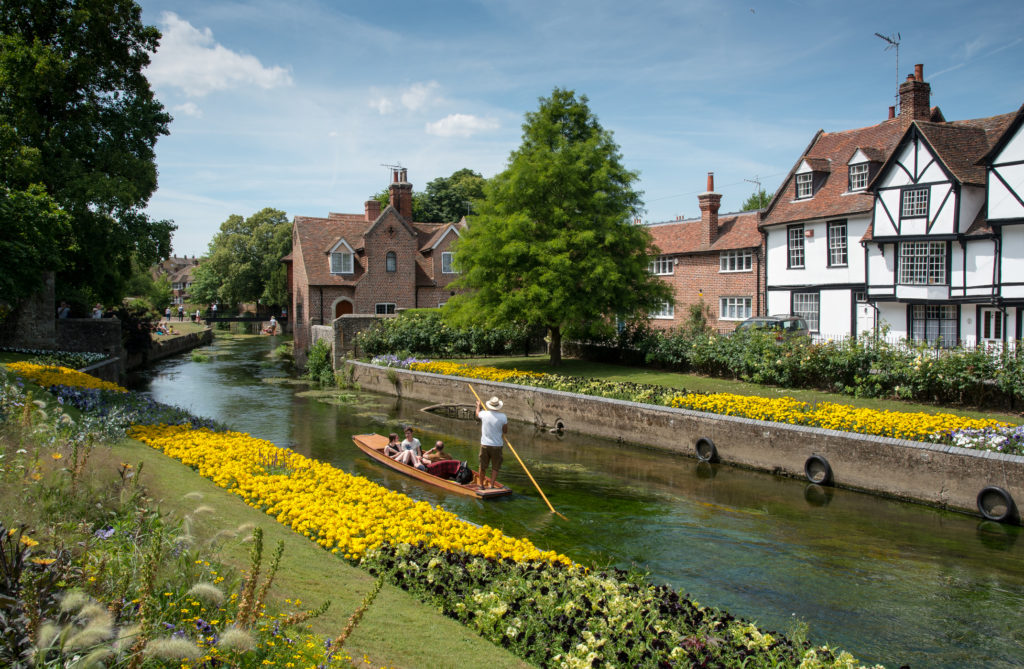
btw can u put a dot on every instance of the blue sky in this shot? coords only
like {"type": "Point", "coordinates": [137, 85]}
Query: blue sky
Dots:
{"type": "Point", "coordinates": [298, 105]}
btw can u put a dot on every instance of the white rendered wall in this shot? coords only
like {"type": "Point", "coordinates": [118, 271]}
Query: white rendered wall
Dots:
{"type": "Point", "coordinates": [835, 313]}
{"type": "Point", "coordinates": [1012, 269]}
{"type": "Point", "coordinates": [1001, 202]}
{"type": "Point", "coordinates": [880, 270]}
{"type": "Point", "coordinates": [779, 302]}
{"type": "Point", "coordinates": [972, 199]}
{"type": "Point", "coordinates": [893, 315]}
{"type": "Point", "coordinates": [980, 266]}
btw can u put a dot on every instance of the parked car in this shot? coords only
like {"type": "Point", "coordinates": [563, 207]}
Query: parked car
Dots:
{"type": "Point", "coordinates": [784, 325]}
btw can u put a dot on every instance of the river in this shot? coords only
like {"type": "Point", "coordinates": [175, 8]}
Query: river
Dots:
{"type": "Point", "coordinates": [891, 582]}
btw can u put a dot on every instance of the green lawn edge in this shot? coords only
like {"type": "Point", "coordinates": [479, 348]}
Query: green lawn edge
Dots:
{"type": "Point", "coordinates": [397, 630]}
{"type": "Point", "coordinates": [695, 382]}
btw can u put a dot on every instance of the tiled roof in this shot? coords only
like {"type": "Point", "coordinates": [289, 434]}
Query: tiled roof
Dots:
{"type": "Point", "coordinates": [960, 145]}
{"type": "Point", "coordinates": [317, 236]}
{"type": "Point", "coordinates": [735, 231]}
{"type": "Point", "coordinates": [833, 198]}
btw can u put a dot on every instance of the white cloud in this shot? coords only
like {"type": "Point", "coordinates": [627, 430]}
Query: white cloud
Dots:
{"type": "Point", "coordinates": [460, 125]}
{"type": "Point", "coordinates": [189, 109]}
{"type": "Point", "coordinates": [190, 59]}
{"type": "Point", "coordinates": [416, 97]}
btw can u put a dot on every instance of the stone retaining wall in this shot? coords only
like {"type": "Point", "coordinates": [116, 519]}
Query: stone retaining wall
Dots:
{"type": "Point", "coordinates": [942, 476]}
{"type": "Point", "coordinates": [167, 347]}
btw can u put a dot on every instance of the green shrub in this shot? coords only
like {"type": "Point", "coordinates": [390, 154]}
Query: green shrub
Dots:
{"type": "Point", "coordinates": [424, 332]}
{"type": "Point", "coordinates": [319, 365]}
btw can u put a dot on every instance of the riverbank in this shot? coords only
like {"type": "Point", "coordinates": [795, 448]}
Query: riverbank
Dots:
{"type": "Point", "coordinates": [934, 474]}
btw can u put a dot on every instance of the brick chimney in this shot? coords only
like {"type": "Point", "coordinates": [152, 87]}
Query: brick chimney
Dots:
{"type": "Point", "coordinates": [372, 210]}
{"type": "Point", "coordinates": [401, 193]}
{"type": "Point", "coordinates": [915, 97]}
{"type": "Point", "coordinates": [709, 203]}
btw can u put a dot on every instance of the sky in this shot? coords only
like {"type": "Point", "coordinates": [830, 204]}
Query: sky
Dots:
{"type": "Point", "coordinates": [302, 105]}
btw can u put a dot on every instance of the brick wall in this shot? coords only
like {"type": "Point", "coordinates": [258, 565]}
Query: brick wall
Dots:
{"type": "Point", "coordinates": [697, 276]}
{"type": "Point", "coordinates": [389, 234]}
{"type": "Point", "coordinates": [32, 323]}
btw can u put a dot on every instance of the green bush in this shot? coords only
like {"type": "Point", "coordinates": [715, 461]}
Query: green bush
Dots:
{"type": "Point", "coordinates": [319, 366]}
{"type": "Point", "coordinates": [424, 332]}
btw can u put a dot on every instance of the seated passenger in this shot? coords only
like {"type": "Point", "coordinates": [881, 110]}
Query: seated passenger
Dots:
{"type": "Point", "coordinates": [446, 469]}
{"type": "Point", "coordinates": [437, 453]}
{"type": "Point", "coordinates": [411, 452]}
{"type": "Point", "coordinates": [394, 447]}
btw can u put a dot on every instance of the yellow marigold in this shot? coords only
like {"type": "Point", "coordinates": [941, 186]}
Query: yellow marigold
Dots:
{"type": "Point", "coordinates": [52, 375]}
{"type": "Point", "coordinates": [343, 513]}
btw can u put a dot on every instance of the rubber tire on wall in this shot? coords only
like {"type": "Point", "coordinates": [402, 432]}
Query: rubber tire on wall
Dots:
{"type": "Point", "coordinates": [817, 462]}
{"type": "Point", "coordinates": [1010, 512]}
{"type": "Point", "coordinates": [706, 451]}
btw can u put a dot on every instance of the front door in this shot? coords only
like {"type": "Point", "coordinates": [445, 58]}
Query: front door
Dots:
{"type": "Point", "coordinates": [341, 308]}
{"type": "Point", "coordinates": [992, 323]}
{"type": "Point", "coordinates": [865, 313]}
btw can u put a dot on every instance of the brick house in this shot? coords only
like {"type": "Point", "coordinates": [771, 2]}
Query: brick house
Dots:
{"type": "Point", "coordinates": [180, 272]}
{"type": "Point", "coordinates": [716, 258]}
{"type": "Point", "coordinates": [376, 262]}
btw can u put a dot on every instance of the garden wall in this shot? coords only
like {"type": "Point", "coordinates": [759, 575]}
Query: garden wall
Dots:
{"type": "Point", "coordinates": [167, 347]}
{"type": "Point", "coordinates": [938, 475]}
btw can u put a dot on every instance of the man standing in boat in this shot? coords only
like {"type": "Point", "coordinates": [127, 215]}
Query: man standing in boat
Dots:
{"type": "Point", "coordinates": [493, 427]}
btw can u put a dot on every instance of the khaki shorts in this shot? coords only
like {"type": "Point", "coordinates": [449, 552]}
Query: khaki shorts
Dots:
{"type": "Point", "coordinates": [490, 458]}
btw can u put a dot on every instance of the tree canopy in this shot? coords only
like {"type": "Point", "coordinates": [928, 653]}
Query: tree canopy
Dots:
{"type": "Point", "coordinates": [446, 199]}
{"type": "Point", "coordinates": [553, 242]}
{"type": "Point", "coordinates": [78, 127]}
{"type": "Point", "coordinates": [244, 262]}
{"type": "Point", "coordinates": [757, 200]}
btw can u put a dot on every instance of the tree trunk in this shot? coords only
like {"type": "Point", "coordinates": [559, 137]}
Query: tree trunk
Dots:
{"type": "Point", "coordinates": [555, 345]}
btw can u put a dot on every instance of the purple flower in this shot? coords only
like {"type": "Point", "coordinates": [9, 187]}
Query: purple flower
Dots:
{"type": "Point", "coordinates": [104, 534]}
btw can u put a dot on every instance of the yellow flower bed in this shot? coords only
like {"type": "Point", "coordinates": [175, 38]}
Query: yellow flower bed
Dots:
{"type": "Point", "coordinates": [899, 424]}
{"type": "Point", "coordinates": [343, 513]}
{"type": "Point", "coordinates": [483, 373]}
{"type": "Point", "coordinates": [51, 375]}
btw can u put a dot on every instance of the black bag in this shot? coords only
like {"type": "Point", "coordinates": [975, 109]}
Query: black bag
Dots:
{"type": "Point", "coordinates": [464, 475]}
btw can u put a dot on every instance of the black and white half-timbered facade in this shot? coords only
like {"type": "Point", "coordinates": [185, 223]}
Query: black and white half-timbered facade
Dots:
{"type": "Point", "coordinates": [942, 254]}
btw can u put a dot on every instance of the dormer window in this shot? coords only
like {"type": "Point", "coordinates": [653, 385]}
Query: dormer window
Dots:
{"type": "Point", "coordinates": [342, 258]}
{"type": "Point", "coordinates": [805, 185]}
{"type": "Point", "coordinates": [858, 176]}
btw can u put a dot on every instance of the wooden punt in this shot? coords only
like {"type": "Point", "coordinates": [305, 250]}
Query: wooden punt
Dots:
{"type": "Point", "coordinates": [373, 445]}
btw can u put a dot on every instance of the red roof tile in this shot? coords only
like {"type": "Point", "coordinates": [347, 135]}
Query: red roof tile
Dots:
{"type": "Point", "coordinates": [735, 231]}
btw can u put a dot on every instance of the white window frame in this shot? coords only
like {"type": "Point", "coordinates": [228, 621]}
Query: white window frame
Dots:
{"type": "Point", "coordinates": [914, 203]}
{"type": "Point", "coordinates": [934, 324]}
{"type": "Point", "coordinates": [384, 308]}
{"type": "Point", "coordinates": [992, 325]}
{"type": "Point", "coordinates": [858, 176]}
{"type": "Point", "coordinates": [804, 185]}
{"type": "Point", "coordinates": [922, 264]}
{"type": "Point", "coordinates": [734, 308]}
{"type": "Point", "coordinates": [342, 262]}
{"type": "Point", "coordinates": [666, 312]}
{"type": "Point", "coordinates": [736, 261]}
{"type": "Point", "coordinates": [795, 257]}
{"type": "Point", "coordinates": [663, 266]}
{"type": "Point", "coordinates": [808, 307]}
{"type": "Point", "coordinates": [838, 246]}
{"type": "Point", "coordinates": [447, 260]}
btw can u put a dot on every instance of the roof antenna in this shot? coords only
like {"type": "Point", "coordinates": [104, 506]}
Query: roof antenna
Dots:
{"type": "Point", "coordinates": [392, 168]}
{"type": "Point", "coordinates": [894, 43]}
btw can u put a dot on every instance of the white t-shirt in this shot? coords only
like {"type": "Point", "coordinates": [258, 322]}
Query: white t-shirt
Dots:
{"type": "Point", "coordinates": [491, 423]}
{"type": "Point", "coordinates": [413, 445]}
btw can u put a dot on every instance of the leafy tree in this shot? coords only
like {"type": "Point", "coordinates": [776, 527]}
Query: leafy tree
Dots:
{"type": "Point", "coordinates": [244, 263]}
{"type": "Point", "coordinates": [156, 292]}
{"type": "Point", "coordinates": [552, 243]}
{"type": "Point", "coordinates": [757, 200]}
{"type": "Point", "coordinates": [446, 199]}
{"type": "Point", "coordinates": [32, 224]}
{"type": "Point", "coordinates": [78, 117]}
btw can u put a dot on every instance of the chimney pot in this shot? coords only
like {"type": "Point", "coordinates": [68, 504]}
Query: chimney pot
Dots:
{"type": "Point", "coordinates": [919, 72]}
{"type": "Point", "coordinates": [711, 182]}
{"type": "Point", "coordinates": [892, 112]}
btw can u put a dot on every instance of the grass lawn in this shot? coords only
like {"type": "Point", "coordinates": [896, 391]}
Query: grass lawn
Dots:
{"type": "Point", "coordinates": [598, 370]}
{"type": "Point", "coordinates": [181, 328]}
{"type": "Point", "coordinates": [397, 630]}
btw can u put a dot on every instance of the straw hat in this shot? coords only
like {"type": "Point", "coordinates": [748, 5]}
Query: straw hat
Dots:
{"type": "Point", "coordinates": [494, 404]}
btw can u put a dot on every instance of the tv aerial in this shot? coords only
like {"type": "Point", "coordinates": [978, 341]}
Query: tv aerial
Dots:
{"type": "Point", "coordinates": [894, 43]}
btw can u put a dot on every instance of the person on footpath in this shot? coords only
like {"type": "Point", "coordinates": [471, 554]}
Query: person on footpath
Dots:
{"type": "Point", "coordinates": [167, 314]}
{"type": "Point", "coordinates": [181, 313]}
{"type": "Point", "coordinates": [493, 427]}
{"type": "Point", "coordinates": [97, 311]}
{"type": "Point", "coordinates": [64, 311]}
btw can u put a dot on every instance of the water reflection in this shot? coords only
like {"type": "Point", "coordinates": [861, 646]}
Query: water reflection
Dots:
{"type": "Point", "coordinates": [891, 582]}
